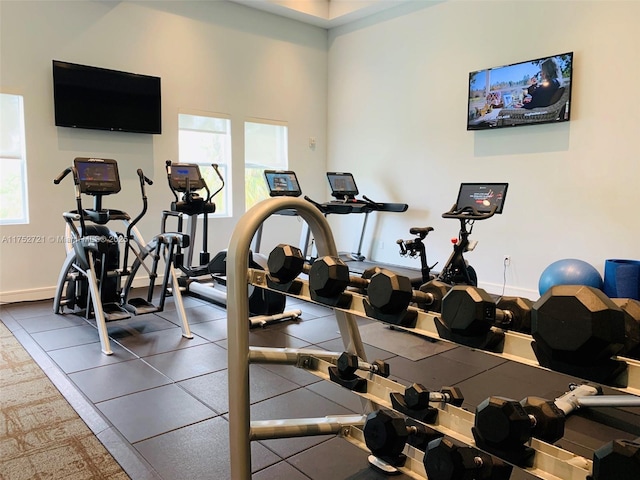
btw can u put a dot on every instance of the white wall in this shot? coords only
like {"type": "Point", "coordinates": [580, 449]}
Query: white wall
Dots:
{"type": "Point", "coordinates": [397, 104]}
{"type": "Point", "coordinates": [212, 56]}
{"type": "Point", "coordinates": [395, 86]}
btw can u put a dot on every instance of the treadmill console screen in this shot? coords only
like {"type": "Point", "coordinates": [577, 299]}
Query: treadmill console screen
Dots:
{"type": "Point", "coordinates": [342, 185]}
{"type": "Point", "coordinates": [97, 176]}
{"type": "Point", "coordinates": [282, 183]}
{"type": "Point", "coordinates": [482, 196]}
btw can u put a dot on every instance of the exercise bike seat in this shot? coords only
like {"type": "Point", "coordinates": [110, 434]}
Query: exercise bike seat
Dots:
{"type": "Point", "coordinates": [420, 231]}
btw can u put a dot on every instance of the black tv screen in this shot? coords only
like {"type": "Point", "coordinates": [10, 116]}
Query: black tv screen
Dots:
{"type": "Point", "coordinates": [97, 98]}
{"type": "Point", "coordinates": [527, 93]}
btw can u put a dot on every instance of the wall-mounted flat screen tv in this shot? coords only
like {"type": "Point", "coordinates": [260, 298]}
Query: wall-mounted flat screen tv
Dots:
{"type": "Point", "coordinates": [527, 93]}
{"type": "Point", "coordinates": [102, 99]}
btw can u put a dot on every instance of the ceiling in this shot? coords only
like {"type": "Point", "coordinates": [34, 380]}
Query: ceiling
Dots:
{"type": "Point", "coordinates": [323, 13]}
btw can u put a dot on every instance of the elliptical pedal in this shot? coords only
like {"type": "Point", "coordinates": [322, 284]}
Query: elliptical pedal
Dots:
{"type": "Point", "coordinates": [139, 306]}
{"type": "Point", "coordinates": [113, 312]}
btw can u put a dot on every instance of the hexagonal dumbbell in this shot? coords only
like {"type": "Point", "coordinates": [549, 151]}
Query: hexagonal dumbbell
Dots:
{"type": "Point", "coordinates": [386, 433]}
{"type": "Point", "coordinates": [514, 313]}
{"type": "Point", "coordinates": [575, 325]}
{"type": "Point", "coordinates": [631, 310]}
{"type": "Point", "coordinates": [329, 277]}
{"type": "Point", "coordinates": [416, 399]}
{"type": "Point", "coordinates": [443, 460]}
{"type": "Point", "coordinates": [391, 293]}
{"type": "Point", "coordinates": [619, 460]}
{"type": "Point", "coordinates": [285, 263]}
{"type": "Point", "coordinates": [349, 363]}
{"type": "Point", "coordinates": [471, 311]}
{"type": "Point", "coordinates": [417, 396]}
{"type": "Point", "coordinates": [343, 373]}
{"type": "Point", "coordinates": [508, 423]}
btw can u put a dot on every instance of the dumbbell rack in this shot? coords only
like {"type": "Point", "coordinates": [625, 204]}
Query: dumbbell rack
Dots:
{"type": "Point", "coordinates": [550, 462]}
{"type": "Point", "coordinates": [515, 347]}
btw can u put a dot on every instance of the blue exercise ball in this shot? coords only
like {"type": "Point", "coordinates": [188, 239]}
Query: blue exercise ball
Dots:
{"type": "Point", "coordinates": [569, 271]}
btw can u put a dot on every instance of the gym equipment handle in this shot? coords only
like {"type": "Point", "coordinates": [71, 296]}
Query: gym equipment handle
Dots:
{"type": "Point", "coordinates": [469, 213]}
{"type": "Point", "coordinates": [143, 178]}
{"type": "Point", "coordinates": [63, 174]}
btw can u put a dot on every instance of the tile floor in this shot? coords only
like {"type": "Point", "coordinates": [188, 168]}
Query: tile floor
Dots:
{"type": "Point", "coordinates": [159, 403]}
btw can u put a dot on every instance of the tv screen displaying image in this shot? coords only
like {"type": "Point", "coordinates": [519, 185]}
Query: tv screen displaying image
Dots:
{"type": "Point", "coordinates": [527, 93]}
{"type": "Point", "coordinates": [101, 99]}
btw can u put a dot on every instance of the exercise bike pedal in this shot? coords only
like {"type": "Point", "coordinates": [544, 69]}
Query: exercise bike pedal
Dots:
{"type": "Point", "coordinates": [139, 306]}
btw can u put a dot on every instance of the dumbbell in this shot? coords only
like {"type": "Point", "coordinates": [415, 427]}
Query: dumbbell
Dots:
{"type": "Point", "coordinates": [285, 263]}
{"type": "Point", "coordinates": [576, 330]}
{"type": "Point", "coordinates": [443, 460]}
{"type": "Point", "coordinates": [386, 433]}
{"type": "Point", "coordinates": [471, 311]}
{"type": "Point", "coordinates": [416, 398]}
{"type": "Point", "coordinates": [391, 293]}
{"type": "Point", "coordinates": [349, 363]}
{"type": "Point", "coordinates": [631, 310]}
{"type": "Point", "coordinates": [508, 423]}
{"type": "Point", "coordinates": [328, 276]}
{"type": "Point", "coordinates": [343, 373]}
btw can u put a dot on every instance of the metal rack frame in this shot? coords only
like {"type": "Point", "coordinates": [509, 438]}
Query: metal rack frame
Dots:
{"type": "Point", "coordinates": [550, 462]}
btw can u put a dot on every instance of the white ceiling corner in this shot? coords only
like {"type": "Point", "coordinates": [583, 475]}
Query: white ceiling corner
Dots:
{"type": "Point", "coordinates": [323, 13]}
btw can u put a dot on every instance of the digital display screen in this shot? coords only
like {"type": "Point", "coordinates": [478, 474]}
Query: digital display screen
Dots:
{"type": "Point", "coordinates": [102, 99]}
{"type": "Point", "coordinates": [482, 196]}
{"type": "Point", "coordinates": [342, 184]}
{"type": "Point", "coordinates": [282, 183]}
{"type": "Point", "coordinates": [180, 172]}
{"type": "Point", "coordinates": [526, 93]}
{"type": "Point", "coordinates": [97, 175]}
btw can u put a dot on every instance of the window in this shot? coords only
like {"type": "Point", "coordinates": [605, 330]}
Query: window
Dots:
{"type": "Point", "coordinates": [14, 207]}
{"type": "Point", "coordinates": [265, 147]}
{"type": "Point", "coordinates": [206, 139]}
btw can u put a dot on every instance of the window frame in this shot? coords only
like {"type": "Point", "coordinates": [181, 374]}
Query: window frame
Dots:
{"type": "Point", "coordinates": [21, 157]}
{"type": "Point", "coordinates": [225, 166]}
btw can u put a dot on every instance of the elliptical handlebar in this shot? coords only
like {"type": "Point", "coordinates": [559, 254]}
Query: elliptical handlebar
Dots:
{"type": "Point", "coordinates": [215, 167]}
{"type": "Point", "coordinates": [469, 213]}
{"type": "Point", "coordinates": [144, 179]}
{"type": "Point", "coordinates": [79, 210]}
{"type": "Point", "coordinates": [63, 174]}
{"type": "Point", "coordinates": [145, 202]}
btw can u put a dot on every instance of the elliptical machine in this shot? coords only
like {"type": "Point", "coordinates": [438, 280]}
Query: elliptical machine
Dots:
{"type": "Point", "coordinates": [91, 275]}
{"type": "Point", "coordinates": [476, 201]}
{"type": "Point", "coordinates": [207, 279]}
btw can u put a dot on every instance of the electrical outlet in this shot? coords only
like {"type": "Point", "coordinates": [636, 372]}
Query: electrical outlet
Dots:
{"type": "Point", "coordinates": [506, 260]}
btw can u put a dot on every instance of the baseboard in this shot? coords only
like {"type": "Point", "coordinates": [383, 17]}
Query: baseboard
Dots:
{"type": "Point", "coordinates": [47, 293]}
{"type": "Point", "coordinates": [497, 289]}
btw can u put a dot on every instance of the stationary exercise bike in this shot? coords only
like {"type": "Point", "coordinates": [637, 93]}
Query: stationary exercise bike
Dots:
{"type": "Point", "coordinates": [92, 274]}
{"type": "Point", "coordinates": [207, 278]}
{"type": "Point", "coordinates": [475, 202]}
